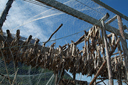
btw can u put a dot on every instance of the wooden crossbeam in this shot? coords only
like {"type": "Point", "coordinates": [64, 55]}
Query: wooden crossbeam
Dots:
{"type": "Point", "coordinates": [111, 20]}
{"type": "Point", "coordinates": [111, 9]}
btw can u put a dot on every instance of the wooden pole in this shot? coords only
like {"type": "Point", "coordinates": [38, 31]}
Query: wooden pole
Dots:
{"type": "Point", "coordinates": [107, 55]}
{"type": "Point", "coordinates": [53, 34]}
{"type": "Point", "coordinates": [111, 20]}
{"type": "Point", "coordinates": [124, 44]}
{"type": "Point", "coordinates": [111, 9]}
{"type": "Point", "coordinates": [97, 74]}
{"type": "Point", "coordinates": [120, 76]}
{"type": "Point", "coordinates": [4, 14]}
{"type": "Point", "coordinates": [74, 73]}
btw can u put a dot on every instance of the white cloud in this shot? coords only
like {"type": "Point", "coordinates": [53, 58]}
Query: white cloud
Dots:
{"type": "Point", "coordinates": [19, 13]}
{"type": "Point", "coordinates": [2, 5]}
{"type": "Point", "coordinates": [23, 12]}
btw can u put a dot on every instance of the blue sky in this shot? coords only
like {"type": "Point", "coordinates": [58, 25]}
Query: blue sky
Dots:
{"type": "Point", "coordinates": [119, 5]}
{"type": "Point", "coordinates": [41, 21]}
{"type": "Point", "coordinates": [47, 18]}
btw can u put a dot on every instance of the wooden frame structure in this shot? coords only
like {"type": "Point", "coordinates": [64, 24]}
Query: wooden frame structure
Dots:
{"type": "Point", "coordinates": [91, 60]}
{"type": "Point", "coordinates": [80, 15]}
{"type": "Point", "coordinates": [66, 9]}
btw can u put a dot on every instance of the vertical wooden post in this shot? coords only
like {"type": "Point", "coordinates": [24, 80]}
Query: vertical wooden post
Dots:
{"type": "Point", "coordinates": [120, 76]}
{"type": "Point", "coordinates": [110, 76]}
{"type": "Point", "coordinates": [4, 14]}
{"type": "Point", "coordinates": [74, 74]}
{"type": "Point", "coordinates": [124, 44]}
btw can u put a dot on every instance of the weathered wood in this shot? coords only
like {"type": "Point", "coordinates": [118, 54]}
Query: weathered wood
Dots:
{"type": "Point", "coordinates": [110, 75]}
{"type": "Point", "coordinates": [110, 8]}
{"type": "Point", "coordinates": [119, 74]}
{"type": "Point", "coordinates": [74, 73]}
{"type": "Point", "coordinates": [53, 34]}
{"type": "Point", "coordinates": [105, 17]}
{"type": "Point", "coordinates": [79, 15]}
{"type": "Point", "coordinates": [124, 44]}
{"type": "Point", "coordinates": [111, 20]}
{"type": "Point", "coordinates": [81, 39]}
{"type": "Point", "coordinates": [102, 80]}
{"type": "Point", "coordinates": [98, 72]}
{"type": "Point", "coordinates": [4, 14]}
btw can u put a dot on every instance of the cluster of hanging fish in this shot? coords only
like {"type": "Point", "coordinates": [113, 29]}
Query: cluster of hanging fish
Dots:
{"type": "Point", "coordinates": [68, 57]}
